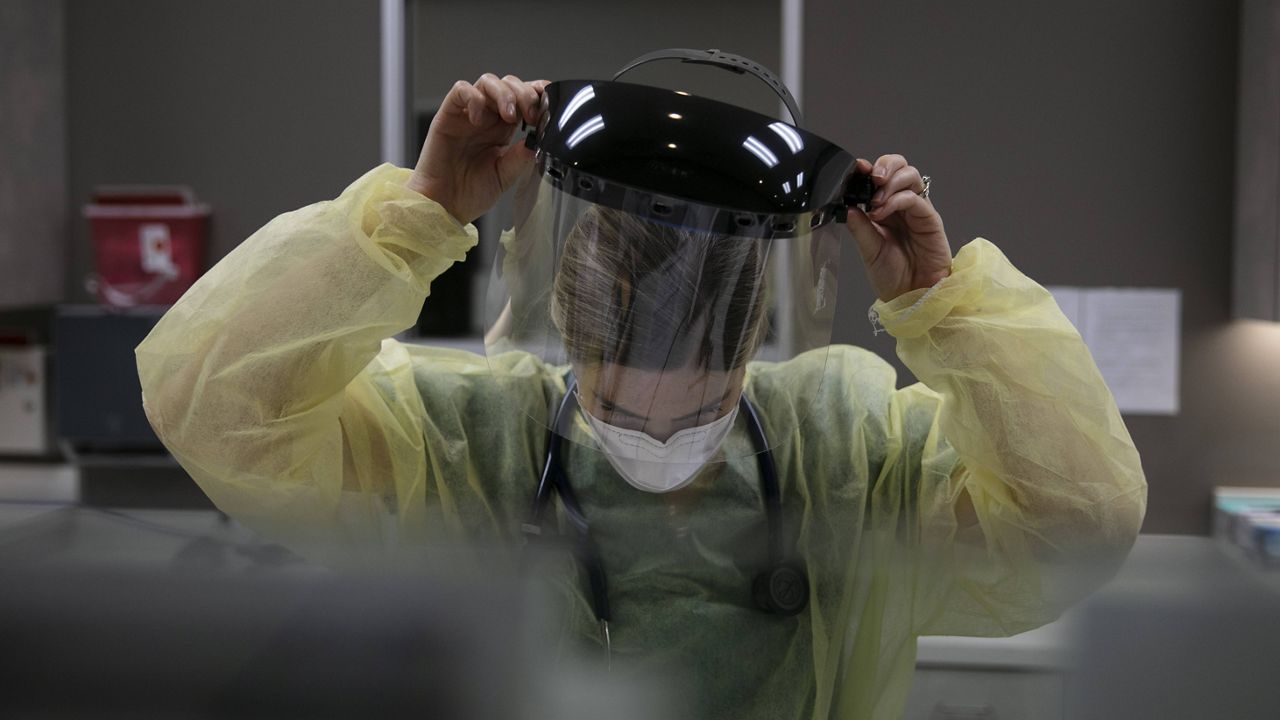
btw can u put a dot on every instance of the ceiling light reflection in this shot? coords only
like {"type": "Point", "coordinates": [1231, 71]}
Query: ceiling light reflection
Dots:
{"type": "Point", "coordinates": [788, 135]}
{"type": "Point", "coordinates": [583, 96]}
{"type": "Point", "coordinates": [757, 148]}
{"type": "Point", "coordinates": [588, 128]}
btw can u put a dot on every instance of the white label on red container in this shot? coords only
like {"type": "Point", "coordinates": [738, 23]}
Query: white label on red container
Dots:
{"type": "Point", "coordinates": [157, 249]}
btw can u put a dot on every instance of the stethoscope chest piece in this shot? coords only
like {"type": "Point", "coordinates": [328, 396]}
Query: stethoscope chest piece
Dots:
{"type": "Point", "coordinates": [782, 589]}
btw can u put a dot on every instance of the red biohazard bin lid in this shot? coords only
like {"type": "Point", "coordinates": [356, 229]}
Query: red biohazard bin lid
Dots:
{"type": "Point", "coordinates": [158, 201]}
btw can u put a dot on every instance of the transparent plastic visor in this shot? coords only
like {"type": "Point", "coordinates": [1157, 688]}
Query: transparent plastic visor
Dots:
{"type": "Point", "coordinates": [661, 323]}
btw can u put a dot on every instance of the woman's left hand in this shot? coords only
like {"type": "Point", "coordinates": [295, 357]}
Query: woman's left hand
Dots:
{"type": "Point", "coordinates": [901, 237]}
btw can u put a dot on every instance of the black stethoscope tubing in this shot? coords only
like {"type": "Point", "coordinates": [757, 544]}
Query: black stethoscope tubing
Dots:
{"type": "Point", "coordinates": [781, 588]}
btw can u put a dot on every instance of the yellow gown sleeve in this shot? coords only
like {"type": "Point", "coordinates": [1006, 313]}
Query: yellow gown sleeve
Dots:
{"type": "Point", "coordinates": [1027, 489]}
{"type": "Point", "coordinates": [273, 381]}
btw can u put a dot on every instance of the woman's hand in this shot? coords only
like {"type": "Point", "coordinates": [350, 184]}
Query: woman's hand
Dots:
{"type": "Point", "coordinates": [467, 160]}
{"type": "Point", "coordinates": [901, 237]}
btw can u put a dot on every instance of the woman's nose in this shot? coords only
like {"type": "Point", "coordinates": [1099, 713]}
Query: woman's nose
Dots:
{"type": "Point", "coordinates": [660, 430]}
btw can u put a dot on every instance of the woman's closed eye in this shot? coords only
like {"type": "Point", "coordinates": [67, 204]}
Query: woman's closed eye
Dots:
{"type": "Point", "coordinates": [620, 417]}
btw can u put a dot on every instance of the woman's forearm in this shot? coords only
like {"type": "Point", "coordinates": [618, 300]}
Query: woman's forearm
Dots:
{"type": "Point", "coordinates": [1045, 457]}
{"type": "Point", "coordinates": [248, 367]}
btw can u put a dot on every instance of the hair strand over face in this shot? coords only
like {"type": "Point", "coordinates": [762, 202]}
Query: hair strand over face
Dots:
{"type": "Point", "coordinates": [650, 295]}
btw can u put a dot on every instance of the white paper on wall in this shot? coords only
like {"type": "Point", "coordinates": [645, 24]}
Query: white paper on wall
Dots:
{"type": "Point", "coordinates": [1134, 337]}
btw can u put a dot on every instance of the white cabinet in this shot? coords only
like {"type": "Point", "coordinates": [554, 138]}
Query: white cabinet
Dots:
{"type": "Point", "coordinates": [1016, 678]}
{"type": "Point", "coordinates": [963, 694]}
{"type": "Point", "coordinates": [23, 423]}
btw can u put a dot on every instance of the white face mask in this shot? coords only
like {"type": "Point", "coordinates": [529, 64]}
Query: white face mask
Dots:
{"type": "Point", "coordinates": [659, 467]}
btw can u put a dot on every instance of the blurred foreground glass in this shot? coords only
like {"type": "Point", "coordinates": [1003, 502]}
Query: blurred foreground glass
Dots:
{"type": "Point", "coordinates": [125, 614]}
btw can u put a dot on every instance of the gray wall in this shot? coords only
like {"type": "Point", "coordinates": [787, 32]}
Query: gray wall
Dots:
{"type": "Point", "coordinates": [1093, 143]}
{"type": "Point", "coordinates": [261, 107]}
{"type": "Point", "coordinates": [1256, 271]}
{"type": "Point", "coordinates": [588, 39]}
{"type": "Point", "coordinates": [32, 152]}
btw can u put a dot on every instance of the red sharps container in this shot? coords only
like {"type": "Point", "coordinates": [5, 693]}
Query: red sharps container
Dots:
{"type": "Point", "coordinates": [149, 243]}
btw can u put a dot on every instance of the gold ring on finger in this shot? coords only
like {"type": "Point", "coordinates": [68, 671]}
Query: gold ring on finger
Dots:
{"type": "Point", "coordinates": [925, 180]}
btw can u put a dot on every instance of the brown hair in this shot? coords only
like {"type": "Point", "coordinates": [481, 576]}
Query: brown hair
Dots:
{"type": "Point", "coordinates": [650, 295]}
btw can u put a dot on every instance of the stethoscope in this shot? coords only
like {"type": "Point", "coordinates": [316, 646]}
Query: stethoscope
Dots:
{"type": "Point", "coordinates": [781, 588]}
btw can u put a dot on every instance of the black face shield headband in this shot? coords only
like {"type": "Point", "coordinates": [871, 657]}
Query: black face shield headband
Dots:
{"type": "Point", "coordinates": [708, 166]}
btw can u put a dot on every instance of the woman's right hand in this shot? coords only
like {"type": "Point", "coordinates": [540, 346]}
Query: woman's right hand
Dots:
{"type": "Point", "coordinates": [467, 161]}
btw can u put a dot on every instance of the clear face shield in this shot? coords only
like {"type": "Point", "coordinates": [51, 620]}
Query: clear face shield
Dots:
{"type": "Point", "coordinates": [658, 301]}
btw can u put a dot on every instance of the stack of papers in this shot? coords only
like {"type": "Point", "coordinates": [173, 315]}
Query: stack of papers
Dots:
{"type": "Point", "coordinates": [1249, 519]}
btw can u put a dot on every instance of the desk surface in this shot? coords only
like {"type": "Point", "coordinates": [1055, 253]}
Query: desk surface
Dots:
{"type": "Point", "coordinates": [50, 528]}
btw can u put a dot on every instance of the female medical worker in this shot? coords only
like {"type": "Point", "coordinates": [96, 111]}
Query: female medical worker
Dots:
{"type": "Point", "coordinates": [954, 506]}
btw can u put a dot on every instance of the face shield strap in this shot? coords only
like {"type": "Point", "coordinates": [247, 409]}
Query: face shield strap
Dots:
{"type": "Point", "coordinates": [733, 63]}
